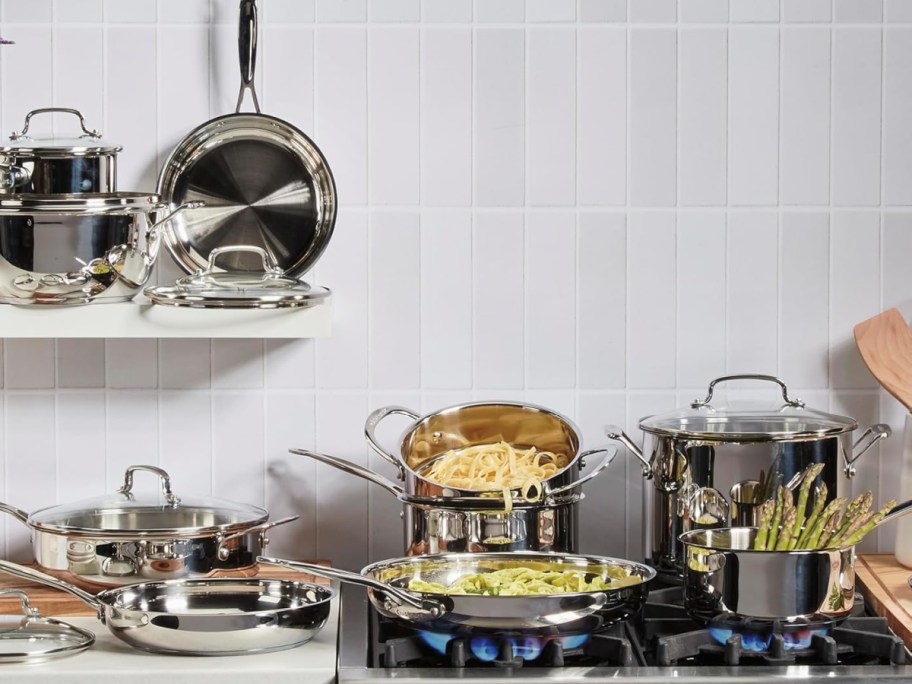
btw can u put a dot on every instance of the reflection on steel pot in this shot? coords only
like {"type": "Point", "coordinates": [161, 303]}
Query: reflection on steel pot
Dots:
{"type": "Point", "coordinates": [723, 574]}
{"type": "Point", "coordinates": [708, 445]}
{"type": "Point", "coordinates": [475, 524]}
{"type": "Point", "coordinates": [77, 249]}
{"type": "Point", "coordinates": [50, 165]}
{"type": "Point", "coordinates": [117, 539]}
{"type": "Point", "coordinates": [208, 617]}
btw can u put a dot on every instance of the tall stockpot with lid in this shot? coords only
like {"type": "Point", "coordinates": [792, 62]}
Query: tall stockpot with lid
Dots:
{"type": "Point", "coordinates": [700, 456]}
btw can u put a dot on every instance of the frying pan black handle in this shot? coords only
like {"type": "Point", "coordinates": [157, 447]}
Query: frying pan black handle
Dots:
{"type": "Point", "coordinates": [247, 51]}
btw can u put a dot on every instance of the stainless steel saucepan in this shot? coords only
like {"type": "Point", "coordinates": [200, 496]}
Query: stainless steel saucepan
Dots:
{"type": "Point", "coordinates": [123, 537]}
{"type": "Point", "coordinates": [204, 616]}
{"type": "Point", "coordinates": [723, 574]}
{"type": "Point", "coordinates": [445, 524]}
{"type": "Point", "coordinates": [549, 614]}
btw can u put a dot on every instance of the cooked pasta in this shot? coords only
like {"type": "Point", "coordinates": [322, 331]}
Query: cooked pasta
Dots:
{"type": "Point", "coordinates": [526, 581]}
{"type": "Point", "coordinates": [497, 467]}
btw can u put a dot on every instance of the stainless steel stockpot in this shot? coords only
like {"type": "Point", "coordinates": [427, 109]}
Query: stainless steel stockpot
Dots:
{"type": "Point", "coordinates": [723, 574]}
{"type": "Point", "coordinates": [441, 524]}
{"type": "Point", "coordinates": [117, 539]}
{"type": "Point", "coordinates": [205, 617]}
{"type": "Point", "coordinates": [51, 165]}
{"type": "Point", "coordinates": [708, 449]}
{"type": "Point", "coordinates": [77, 249]}
{"type": "Point", "coordinates": [430, 437]}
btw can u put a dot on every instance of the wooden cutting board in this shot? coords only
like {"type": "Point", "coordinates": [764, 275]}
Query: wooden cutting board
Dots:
{"type": "Point", "coordinates": [884, 582]}
{"type": "Point", "coordinates": [53, 602]}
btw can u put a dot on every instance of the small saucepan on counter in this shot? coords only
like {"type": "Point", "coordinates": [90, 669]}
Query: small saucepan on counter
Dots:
{"type": "Point", "coordinates": [565, 613]}
{"type": "Point", "coordinates": [117, 539]}
{"type": "Point", "coordinates": [724, 575]}
{"type": "Point", "coordinates": [211, 617]}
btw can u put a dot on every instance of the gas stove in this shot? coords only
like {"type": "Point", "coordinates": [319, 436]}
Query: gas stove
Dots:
{"type": "Point", "coordinates": [659, 643]}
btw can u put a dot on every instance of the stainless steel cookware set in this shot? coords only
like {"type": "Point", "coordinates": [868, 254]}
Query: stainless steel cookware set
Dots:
{"type": "Point", "coordinates": [247, 190]}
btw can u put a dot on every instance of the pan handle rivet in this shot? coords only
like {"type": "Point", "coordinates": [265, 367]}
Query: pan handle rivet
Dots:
{"type": "Point", "coordinates": [144, 620]}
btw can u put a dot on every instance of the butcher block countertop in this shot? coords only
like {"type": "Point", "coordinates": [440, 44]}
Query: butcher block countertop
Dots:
{"type": "Point", "coordinates": [884, 583]}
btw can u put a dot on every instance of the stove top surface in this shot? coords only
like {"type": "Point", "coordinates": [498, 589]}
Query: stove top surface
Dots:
{"type": "Point", "coordinates": [662, 643]}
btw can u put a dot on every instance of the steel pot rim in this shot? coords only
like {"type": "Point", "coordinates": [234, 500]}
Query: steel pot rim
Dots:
{"type": "Point", "coordinates": [82, 203]}
{"type": "Point", "coordinates": [685, 538]}
{"type": "Point", "coordinates": [149, 533]}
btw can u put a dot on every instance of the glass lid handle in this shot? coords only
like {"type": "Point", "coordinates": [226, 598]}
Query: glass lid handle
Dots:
{"type": "Point", "coordinates": [768, 378]}
{"type": "Point", "coordinates": [27, 609]}
{"type": "Point", "coordinates": [86, 133]}
{"type": "Point", "coordinates": [165, 482]}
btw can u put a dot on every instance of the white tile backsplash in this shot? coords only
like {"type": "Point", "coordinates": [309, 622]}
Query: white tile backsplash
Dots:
{"type": "Point", "coordinates": [652, 88]}
{"type": "Point", "coordinates": [537, 201]}
{"type": "Point", "coordinates": [753, 122]}
{"type": "Point", "coordinates": [857, 113]}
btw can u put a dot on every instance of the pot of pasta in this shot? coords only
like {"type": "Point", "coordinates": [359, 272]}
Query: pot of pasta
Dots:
{"type": "Point", "coordinates": [484, 477]}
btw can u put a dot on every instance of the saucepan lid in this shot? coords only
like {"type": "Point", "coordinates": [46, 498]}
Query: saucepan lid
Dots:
{"type": "Point", "coordinates": [214, 287]}
{"type": "Point", "coordinates": [32, 638]}
{"type": "Point", "coordinates": [89, 143]}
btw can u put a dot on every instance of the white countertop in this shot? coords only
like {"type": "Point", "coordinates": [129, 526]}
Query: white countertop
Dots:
{"type": "Point", "coordinates": [109, 659]}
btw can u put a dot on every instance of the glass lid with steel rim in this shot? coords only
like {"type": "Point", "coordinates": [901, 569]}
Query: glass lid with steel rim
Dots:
{"type": "Point", "coordinates": [748, 421]}
{"type": "Point", "coordinates": [136, 514]}
{"type": "Point", "coordinates": [266, 288]}
{"type": "Point", "coordinates": [49, 146]}
{"type": "Point", "coordinates": [31, 638]}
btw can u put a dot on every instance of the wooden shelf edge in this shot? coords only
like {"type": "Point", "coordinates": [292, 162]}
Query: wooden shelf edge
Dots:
{"type": "Point", "coordinates": [142, 319]}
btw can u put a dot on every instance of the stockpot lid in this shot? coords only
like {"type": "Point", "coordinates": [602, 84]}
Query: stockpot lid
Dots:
{"type": "Point", "coordinates": [744, 422]}
{"type": "Point", "coordinates": [135, 515]}
{"type": "Point", "coordinates": [29, 637]}
{"type": "Point", "coordinates": [43, 145]}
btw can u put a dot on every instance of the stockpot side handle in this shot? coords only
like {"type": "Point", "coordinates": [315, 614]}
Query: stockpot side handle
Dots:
{"type": "Point", "coordinates": [868, 438]}
{"type": "Point", "coordinates": [25, 573]}
{"type": "Point", "coordinates": [13, 176]}
{"type": "Point", "coordinates": [617, 434]}
{"type": "Point", "coordinates": [224, 552]}
{"type": "Point", "coordinates": [797, 403]}
{"type": "Point", "coordinates": [127, 486]}
{"type": "Point", "coordinates": [433, 608]}
{"type": "Point", "coordinates": [247, 52]}
{"type": "Point", "coordinates": [351, 469]}
{"type": "Point", "coordinates": [15, 512]}
{"type": "Point", "coordinates": [370, 432]}
{"type": "Point", "coordinates": [195, 204]}
{"type": "Point", "coordinates": [610, 453]}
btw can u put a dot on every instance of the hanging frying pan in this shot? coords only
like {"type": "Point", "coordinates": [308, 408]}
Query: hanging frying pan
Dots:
{"type": "Point", "coordinates": [264, 182]}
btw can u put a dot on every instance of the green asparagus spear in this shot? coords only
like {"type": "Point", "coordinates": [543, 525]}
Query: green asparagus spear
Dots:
{"type": "Point", "coordinates": [859, 534]}
{"type": "Point", "coordinates": [763, 525]}
{"type": "Point", "coordinates": [821, 538]}
{"type": "Point", "coordinates": [788, 527]}
{"type": "Point", "coordinates": [828, 516]}
{"type": "Point", "coordinates": [857, 522]}
{"type": "Point", "coordinates": [774, 524]}
{"type": "Point", "coordinates": [761, 483]}
{"type": "Point", "coordinates": [810, 474]}
{"type": "Point", "coordinates": [849, 515]}
{"type": "Point", "coordinates": [820, 495]}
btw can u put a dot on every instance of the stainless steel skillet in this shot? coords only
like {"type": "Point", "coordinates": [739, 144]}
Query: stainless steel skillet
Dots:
{"type": "Point", "coordinates": [223, 616]}
{"type": "Point", "coordinates": [265, 184]}
{"type": "Point", "coordinates": [547, 614]}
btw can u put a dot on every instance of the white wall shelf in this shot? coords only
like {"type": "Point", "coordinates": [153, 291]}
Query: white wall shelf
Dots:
{"type": "Point", "coordinates": [141, 318]}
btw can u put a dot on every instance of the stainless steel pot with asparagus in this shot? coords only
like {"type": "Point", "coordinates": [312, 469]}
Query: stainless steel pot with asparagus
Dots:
{"type": "Point", "coordinates": [797, 563]}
